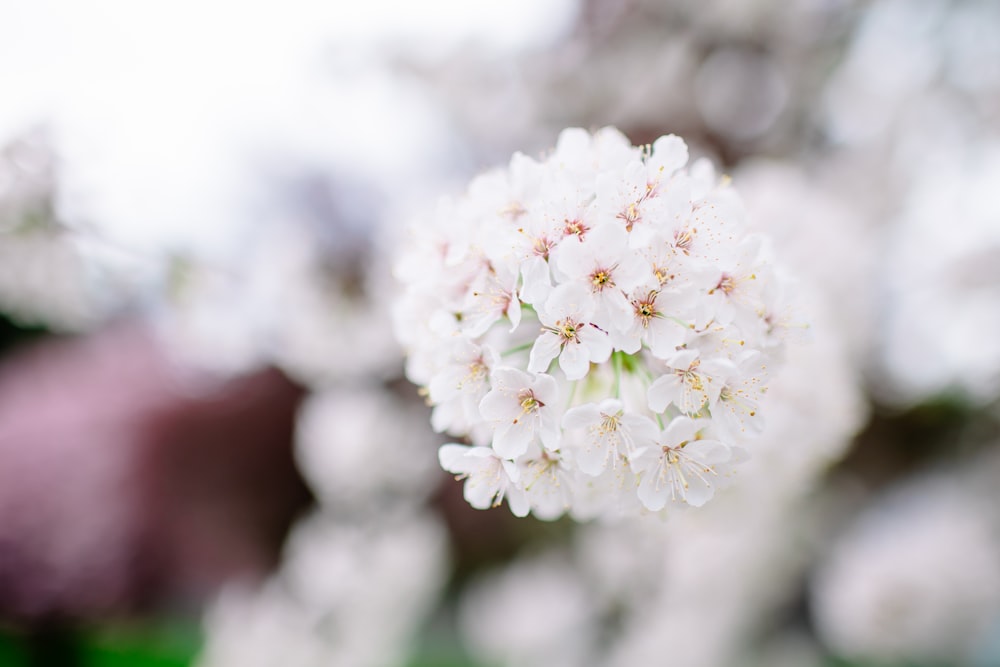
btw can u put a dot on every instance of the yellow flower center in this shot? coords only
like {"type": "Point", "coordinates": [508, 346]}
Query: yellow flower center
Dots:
{"type": "Point", "coordinates": [646, 309]}
{"type": "Point", "coordinates": [609, 423]}
{"type": "Point", "coordinates": [569, 330]}
{"type": "Point", "coordinates": [528, 401]}
{"type": "Point", "coordinates": [602, 278]}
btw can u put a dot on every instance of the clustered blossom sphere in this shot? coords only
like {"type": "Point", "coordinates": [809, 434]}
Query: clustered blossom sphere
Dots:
{"type": "Point", "coordinates": [597, 326]}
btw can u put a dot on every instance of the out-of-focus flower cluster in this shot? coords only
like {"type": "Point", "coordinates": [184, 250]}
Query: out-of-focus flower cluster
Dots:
{"type": "Point", "coordinates": [362, 571]}
{"type": "Point", "coordinates": [633, 276]}
{"type": "Point", "coordinates": [916, 578]}
{"type": "Point", "coordinates": [49, 274]}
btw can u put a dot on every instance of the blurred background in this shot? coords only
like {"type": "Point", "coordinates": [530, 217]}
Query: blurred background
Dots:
{"type": "Point", "coordinates": [208, 452]}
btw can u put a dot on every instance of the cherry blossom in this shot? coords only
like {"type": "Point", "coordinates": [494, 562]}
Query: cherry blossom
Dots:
{"type": "Point", "coordinates": [684, 471]}
{"type": "Point", "coordinates": [487, 476]}
{"type": "Point", "coordinates": [610, 434]}
{"type": "Point", "coordinates": [569, 333]}
{"type": "Point", "coordinates": [598, 323]}
{"type": "Point", "coordinates": [521, 405]}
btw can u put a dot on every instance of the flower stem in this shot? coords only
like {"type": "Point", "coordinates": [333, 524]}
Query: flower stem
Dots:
{"type": "Point", "coordinates": [616, 362]}
{"type": "Point", "coordinates": [515, 350]}
{"type": "Point", "coordinates": [572, 392]}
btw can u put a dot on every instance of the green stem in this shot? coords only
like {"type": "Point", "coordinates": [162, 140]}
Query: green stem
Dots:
{"type": "Point", "coordinates": [616, 362]}
{"type": "Point", "coordinates": [686, 325]}
{"type": "Point", "coordinates": [515, 350]}
{"type": "Point", "coordinates": [572, 393]}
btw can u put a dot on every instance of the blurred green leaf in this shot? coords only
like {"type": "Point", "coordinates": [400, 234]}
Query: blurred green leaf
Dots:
{"type": "Point", "coordinates": [157, 644]}
{"type": "Point", "coordinates": [12, 651]}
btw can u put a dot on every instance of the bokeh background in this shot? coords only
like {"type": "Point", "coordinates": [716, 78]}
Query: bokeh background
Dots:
{"type": "Point", "coordinates": [208, 452]}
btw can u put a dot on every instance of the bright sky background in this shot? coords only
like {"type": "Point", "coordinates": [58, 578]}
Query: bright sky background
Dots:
{"type": "Point", "coordinates": [162, 113]}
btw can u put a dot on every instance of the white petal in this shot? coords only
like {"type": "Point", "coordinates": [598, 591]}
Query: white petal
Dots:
{"type": "Point", "coordinates": [574, 361]}
{"type": "Point", "coordinates": [476, 323]}
{"type": "Point", "coordinates": [581, 416]}
{"type": "Point", "coordinates": [514, 312]}
{"type": "Point", "coordinates": [568, 299]}
{"type": "Point", "coordinates": [518, 502]}
{"type": "Point", "coordinates": [697, 492]}
{"type": "Point", "coordinates": [607, 241]}
{"type": "Point", "coordinates": [592, 455]}
{"type": "Point", "coordinates": [499, 406]}
{"type": "Point", "coordinates": [537, 283]}
{"type": "Point", "coordinates": [663, 337]}
{"type": "Point", "coordinates": [632, 272]}
{"type": "Point", "coordinates": [445, 416]}
{"type": "Point", "coordinates": [682, 429]}
{"type": "Point", "coordinates": [610, 406]}
{"type": "Point", "coordinates": [573, 144]}
{"type": "Point", "coordinates": [575, 259]}
{"type": "Point", "coordinates": [509, 379]}
{"type": "Point", "coordinates": [628, 341]}
{"type": "Point", "coordinates": [709, 452]}
{"type": "Point", "coordinates": [546, 389]}
{"type": "Point", "coordinates": [545, 349]}
{"type": "Point", "coordinates": [513, 473]}
{"type": "Point", "coordinates": [614, 310]}
{"type": "Point", "coordinates": [642, 431]}
{"type": "Point", "coordinates": [683, 359]}
{"type": "Point", "coordinates": [597, 342]}
{"type": "Point", "coordinates": [453, 458]}
{"type": "Point", "coordinates": [669, 152]}
{"type": "Point", "coordinates": [446, 384]}
{"type": "Point", "coordinates": [548, 428]}
{"type": "Point", "coordinates": [652, 497]}
{"type": "Point", "coordinates": [512, 438]}
{"type": "Point", "coordinates": [662, 392]}
{"type": "Point", "coordinates": [480, 491]}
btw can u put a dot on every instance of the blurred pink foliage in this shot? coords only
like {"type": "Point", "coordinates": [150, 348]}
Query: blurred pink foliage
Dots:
{"type": "Point", "coordinates": [125, 481]}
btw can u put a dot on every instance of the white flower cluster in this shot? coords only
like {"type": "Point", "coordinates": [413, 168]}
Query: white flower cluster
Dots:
{"type": "Point", "coordinates": [598, 324]}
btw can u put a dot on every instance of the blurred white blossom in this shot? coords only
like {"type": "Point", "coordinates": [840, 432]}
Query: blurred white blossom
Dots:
{"type": "Point", "coordinates": [915, 125]}
{"type": "Point", "coordinates": [361, 448]}
{"type": "Point", "coordinates": [347, 595]}
{"type": "Point", "coordinates": [915, 578]}
{"type": "Point", "coordinates": [534, 613]}
{"type": "Point", "coordinates": [50, 275]}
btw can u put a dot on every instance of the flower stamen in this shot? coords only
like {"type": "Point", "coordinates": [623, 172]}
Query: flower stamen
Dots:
{"type": "Point", "coordinates": [576, 227]}
{"type": "Point", "coordinates": [602, 279]}
{"type": "Point", "coordinates": [645, 309]}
